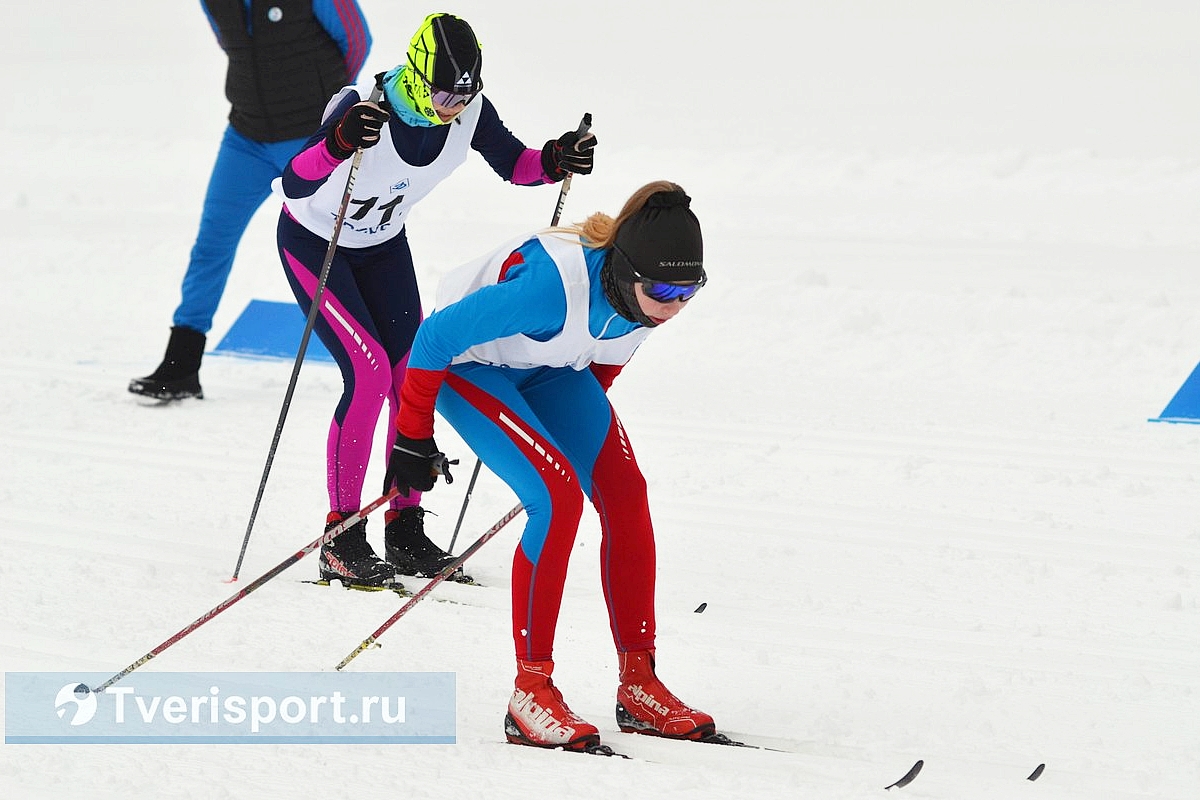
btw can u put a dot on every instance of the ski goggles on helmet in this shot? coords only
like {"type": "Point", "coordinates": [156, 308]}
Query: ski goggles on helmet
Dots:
{"type": "Point", "coordinates": [664, 291]}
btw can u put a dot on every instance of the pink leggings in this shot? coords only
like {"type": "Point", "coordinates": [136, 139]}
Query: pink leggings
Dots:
{"type": "Point", "coordinates": [370, 311]}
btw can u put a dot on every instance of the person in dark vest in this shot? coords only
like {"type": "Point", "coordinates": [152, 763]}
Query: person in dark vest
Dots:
{"type": "Point", "coordinates": [286, 58]}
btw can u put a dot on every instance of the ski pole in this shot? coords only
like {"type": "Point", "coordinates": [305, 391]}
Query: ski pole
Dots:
{"type": "Point", "coordinates": [324, 539]}
{"type": "Point", "coordinates": [585, 125]}
{"type": "Point", "coordinates": [315, 309]}
{"type": "Point", "coordinates": [446, 572]}
{"type": "Point", "coordinates": [462, 512]}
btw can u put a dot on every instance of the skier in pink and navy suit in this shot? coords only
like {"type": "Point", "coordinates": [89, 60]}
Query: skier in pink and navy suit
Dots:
{"type": "Point", "coordinates": [429, 118]}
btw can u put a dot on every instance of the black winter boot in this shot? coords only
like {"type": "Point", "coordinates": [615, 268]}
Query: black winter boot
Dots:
{"type": "Point", "coordinates": [178, 376]}
{"type": "Point", "coordinates": [350, 559]}
{"type": "Point", "coordinates": [409, 549]}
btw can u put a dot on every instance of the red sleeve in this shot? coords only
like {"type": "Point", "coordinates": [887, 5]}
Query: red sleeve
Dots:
{"type": "Point", "coordinates": [606, 373]}
{"type": "Point", "coordinates": [417, 398]}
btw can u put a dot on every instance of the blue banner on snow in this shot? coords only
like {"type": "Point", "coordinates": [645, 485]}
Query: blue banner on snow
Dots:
{"type": "Point", "coordinates": [1185, 405]}
{"type": "Point", "coordinates": [267, 329]}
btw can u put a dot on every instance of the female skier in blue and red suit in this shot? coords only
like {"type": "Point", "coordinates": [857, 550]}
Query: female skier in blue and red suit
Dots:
{"type": "Point", "coordinates": [518, 358]}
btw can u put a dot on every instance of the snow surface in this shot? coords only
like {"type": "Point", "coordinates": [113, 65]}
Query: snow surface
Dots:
{"type": "Point", "coordinates": [899, 446]}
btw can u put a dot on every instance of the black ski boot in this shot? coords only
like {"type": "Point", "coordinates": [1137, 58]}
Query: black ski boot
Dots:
{"type": "Point", "coordinates": [178, 376]}
{"type": "Point", "coordinates": [350, 560]}
{"type": "Point", "coordinates": [409, 549]}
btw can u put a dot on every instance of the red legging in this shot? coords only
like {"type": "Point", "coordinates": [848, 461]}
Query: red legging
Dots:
{"type": "Point", "coordinates": [553, 437]}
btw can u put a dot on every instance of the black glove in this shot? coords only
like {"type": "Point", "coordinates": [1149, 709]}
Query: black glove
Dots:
{"type": "Point", "coordinates": [416, 464]}
{"type": "Point", "coordinates": [568, 153]}
{"type": "Point", "coordinates": [358, 127]}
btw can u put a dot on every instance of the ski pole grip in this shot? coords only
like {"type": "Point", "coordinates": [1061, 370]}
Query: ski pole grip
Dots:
{"type": "Point", "coordinates": [585, 125]}
{"type": "Point", "coordinates": [441, 466]}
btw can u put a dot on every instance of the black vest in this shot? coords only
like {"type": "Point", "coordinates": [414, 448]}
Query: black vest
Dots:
{"type": "Point", "coordinates": [283, 67]}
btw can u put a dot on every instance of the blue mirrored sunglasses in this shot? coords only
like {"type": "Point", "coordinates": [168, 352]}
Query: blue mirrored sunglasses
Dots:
{"type": "Point", "coordinates": [664, 292]}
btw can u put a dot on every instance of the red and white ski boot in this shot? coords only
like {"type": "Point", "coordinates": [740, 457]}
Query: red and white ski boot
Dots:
{"type": "Point", "coordinates": [538, 716]}
{"type": "Point", "coordinates": [644, 705]}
